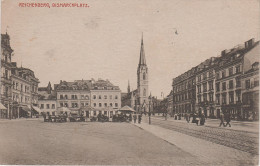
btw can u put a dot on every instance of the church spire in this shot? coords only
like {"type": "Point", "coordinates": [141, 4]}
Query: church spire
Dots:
{"type": "Point", "coordinates": [128, 87]}
{"type": "Point", "coordinates": [142, 54]}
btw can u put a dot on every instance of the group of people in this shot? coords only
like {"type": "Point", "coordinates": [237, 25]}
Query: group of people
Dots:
{"type": "Point", "coordinates": [139, 116]}
{"type": "Point", "coordinates": [225, 117]}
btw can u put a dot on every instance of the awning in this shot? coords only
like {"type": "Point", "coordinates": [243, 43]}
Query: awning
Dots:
{"type": "Point", "coordinates": [127, 109]}
{"type": "Point", "coordinates": [2, 107]}
{"type": "Point", "coordinates": [26, 108]}
{"type": "Point", "coordinates": [37, 109]}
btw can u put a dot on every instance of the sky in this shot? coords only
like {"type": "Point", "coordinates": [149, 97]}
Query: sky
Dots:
{"type": "Point", "coordinates": [104, 40]}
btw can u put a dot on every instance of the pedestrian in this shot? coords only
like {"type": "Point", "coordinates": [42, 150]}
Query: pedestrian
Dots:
{"type": "Point", "coordinates": [139, 118]}
{"type": "Point", "coordinates": [135, 118]}
{"type": "Point", "coordinates": [222, 120]}
{"type": "Point", "coordinates": [228, 119]}
{"type": "Point", "coordinates": [202, 119]}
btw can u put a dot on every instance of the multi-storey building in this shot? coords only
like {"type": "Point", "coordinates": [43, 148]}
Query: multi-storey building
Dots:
{"type": "Point", "coordinates": [231, 67]}
{"type": "Point", "coordinates": [24, 91]}
{"type": "Point", "coordinates": [47, 99]}
{"type": "Point", "coordinates": [100, 95]}
{"type": "Point", "coordinates": [250, 93]}
{"type": "Point", "coordinates": [184, 92]}
{"type": "Point", "coordinates": [221, 83]}
{"type": "Point", "coordinates": [6, 83]}
{"type": "Point", "coordinates": [205, 81]}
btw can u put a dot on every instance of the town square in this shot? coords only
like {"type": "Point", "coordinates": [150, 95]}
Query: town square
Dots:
{"type": "Point", "coordinates": [164, 83]}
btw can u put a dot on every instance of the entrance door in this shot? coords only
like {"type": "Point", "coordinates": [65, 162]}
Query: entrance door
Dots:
{"type": "Point", "coordinates": [87, 114]}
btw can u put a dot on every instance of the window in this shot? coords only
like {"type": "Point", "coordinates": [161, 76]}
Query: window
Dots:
{"type": "Point", "coordinates": [95, 104]}
{"type": "Point", "coordinates": [21, 98]}
{"type": "Point", "coordinates": [205, 97]}
{"type": "Point", "coordinates": [205, 76]}
{"type": "Point", "coordinates": [199, 88]}
{"type": "Point", "coordinates": [217, 76]}
{"type": "Point", "coordinates": [231, 84]}
{"type": "Point", "coordinates": [66, 97]}
{"type": "Point", "coordinates": [116, 97]}
{"type": "Point", "coordinates": [42, 106]}
{"type": "Point", "coordinates": [105, 104]}
{"type": "Point", "coordinates": [218, 99]}
{"type": "Point", "coordinates": [230, 71]}
{"type": "Point", "coordinates": [238, 69]}
{"type": "Point", "coordinates": [116, 104]}
{"type": "Point", "coordinates": [223, 74]}
{"type": "Point", "coordinates": [47, 106]}
{"type": "Point", "coordinates": [110, 97]}
{"type": "Point", "coordinates": [61, 96]}
{"type": "Point", "coordinates": [94, 96]}
{"type": "Point", "coordinates": [100, 104]}
{"type": "Point", "coordinates": [21, 87]}
{"type": "Point", "coordinates": [16, 86]}
{"type": "Point", "coordinates": [224, 86]}
{"type": "Point", "coordinates": [218, 86]}
{"type": "Point", "coordinates": [65, 104]}
{"type": "Point", "coordinates": [247, 84]}
{"type": "Point", "coordinates": [105, 97]}
{"type": "Point", "coordinates": [231, 97]}
{"type": "Point", "coordinates": [224, 100]}
{"type": "Point", "coordinates": [87, 97]}
{"type": "Point", "coordinates": [210, 73]}
{"type": "Point", "coordinates": [95, 113]}
{"type": "Point", "coordinates": [238, 96]}
{"type": "Point", "coordinates": [204, 87]}
{"type": "Point", "coordinates": [144, 92]}
{"type": "Point", "coordinates": [74, 97]}
{"type": "Point", "coordinates": [211, 85]}
{"type": "Point", "coordinates": [238, 82]}
{"type": "Point", "coordinates": [211, 97]}
{"type": "Point", "coordinates": [99, 97]}
{"type": "Point", "coordinates": [111, 104]}
{"type": "Point", "coordinates": [199, 78]}
{"type": "Point", "coordinates": [82, 97]}
{"type": "Point", "coordinates": [144, 76]}
{"type": "Point", "coordinates": [61, 104]}
{"type": "Point", "coordinates": [74, 105]}
{"type": "Point", "coordinates": [105, 112]}
{"type": "Point", "coordinates": [53, 106]}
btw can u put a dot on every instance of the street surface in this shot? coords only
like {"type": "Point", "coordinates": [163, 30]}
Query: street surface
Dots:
{"type": "Point", "coordinates": [171, 142]}
{"type": "Point", "coordinates": [246, 141]}
{"type": "Point", "coordinates": [32, 141]}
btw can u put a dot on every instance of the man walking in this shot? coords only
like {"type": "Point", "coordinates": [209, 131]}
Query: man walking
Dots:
{"type": "Point", "coordinates": [228, 119]}
{"type": "Point", "coordinates": [222, 120]}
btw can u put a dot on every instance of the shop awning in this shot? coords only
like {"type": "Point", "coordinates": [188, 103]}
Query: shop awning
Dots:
{"type": "Point", "coordinates": [2, 107]}
{"type": "Point", "coordinates": [26, 108]}
{"type": "Point", "coordinates": [37, 109]}
{"type": "Point", "coordinates": [127, 109]}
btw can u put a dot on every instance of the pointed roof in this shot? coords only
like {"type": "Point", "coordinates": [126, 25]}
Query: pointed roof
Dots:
{"type": "Point", "coordinates": [142, 60]}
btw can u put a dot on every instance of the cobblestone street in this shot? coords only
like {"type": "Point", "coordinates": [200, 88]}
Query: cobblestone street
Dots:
{"type": "Point", "coordinates": [32, 141]}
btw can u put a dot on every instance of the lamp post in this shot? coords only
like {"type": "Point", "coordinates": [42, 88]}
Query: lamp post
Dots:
{"type": "Point", "coordinates": [150, 109]}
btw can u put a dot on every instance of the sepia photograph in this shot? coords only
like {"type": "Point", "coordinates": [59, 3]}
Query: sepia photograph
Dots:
{"type": "Point", "coordinates": [129, 82]}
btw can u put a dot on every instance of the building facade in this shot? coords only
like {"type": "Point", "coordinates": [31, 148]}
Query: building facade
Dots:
{"type": "Point", "coordinates": [6, 83]}
{"type": "Point", "coordinates": [221, 83]}
{"type": "Point", "coordinates": [184, 92]}
{"type": "Point", "coordinates": [205, 91]}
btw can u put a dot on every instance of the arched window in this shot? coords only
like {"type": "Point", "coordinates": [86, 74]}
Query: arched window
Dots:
{"type": "Point", "coordinates": [144, 92]}
{"type": "Point", "coordinates": [143, 76]}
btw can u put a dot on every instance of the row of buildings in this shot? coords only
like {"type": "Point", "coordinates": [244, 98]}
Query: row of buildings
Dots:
{"type": "Point", "coordinates": [19, 85]}
{"type": "Point", "coordinates": [100, 95]}
{"type": "Point", "coordinates": [227, 83]}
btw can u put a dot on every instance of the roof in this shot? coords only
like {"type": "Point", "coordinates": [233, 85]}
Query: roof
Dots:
{"type": "Point", "coordinates": [2, 107]}
{"type": "Point", "coordinates": [127, 108]}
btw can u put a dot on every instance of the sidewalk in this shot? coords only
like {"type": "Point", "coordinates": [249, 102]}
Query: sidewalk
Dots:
{"type": "Point", "coordinates": [208, 152]}
{"type": "Point", "coordinates": [235, 125]}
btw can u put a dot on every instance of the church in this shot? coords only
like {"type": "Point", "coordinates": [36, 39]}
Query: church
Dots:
{"type": "Point", "coordinates": [138, 99]}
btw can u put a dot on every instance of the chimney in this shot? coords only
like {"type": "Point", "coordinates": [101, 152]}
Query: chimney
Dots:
{"type": "Point", "coordinates": [249, 43]}
{"type": "Point", "coordinates": [60, 81]}
{"type": "Point", "coordinates": [223, 53]}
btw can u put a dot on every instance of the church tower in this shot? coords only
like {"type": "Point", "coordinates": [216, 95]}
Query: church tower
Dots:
{"type": "Point", "coordinates": [128, 87]}
{"type": "Point", "coordinates": [142, 82]}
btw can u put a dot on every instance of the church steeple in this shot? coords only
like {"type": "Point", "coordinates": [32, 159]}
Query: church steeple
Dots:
{"type": "Point", "coordinates": [49, 88]}
{"type": "Point", "coordinates": [128, 87]}
{"type": "Point", "coordinates": [142, 60]}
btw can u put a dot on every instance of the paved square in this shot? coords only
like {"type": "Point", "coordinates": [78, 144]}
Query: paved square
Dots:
{"type": "Point", "coordinates": [35, 142]}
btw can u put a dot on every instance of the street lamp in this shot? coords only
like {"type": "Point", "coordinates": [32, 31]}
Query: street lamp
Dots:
{"type": "Point", "coordinates": [149, 109]}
